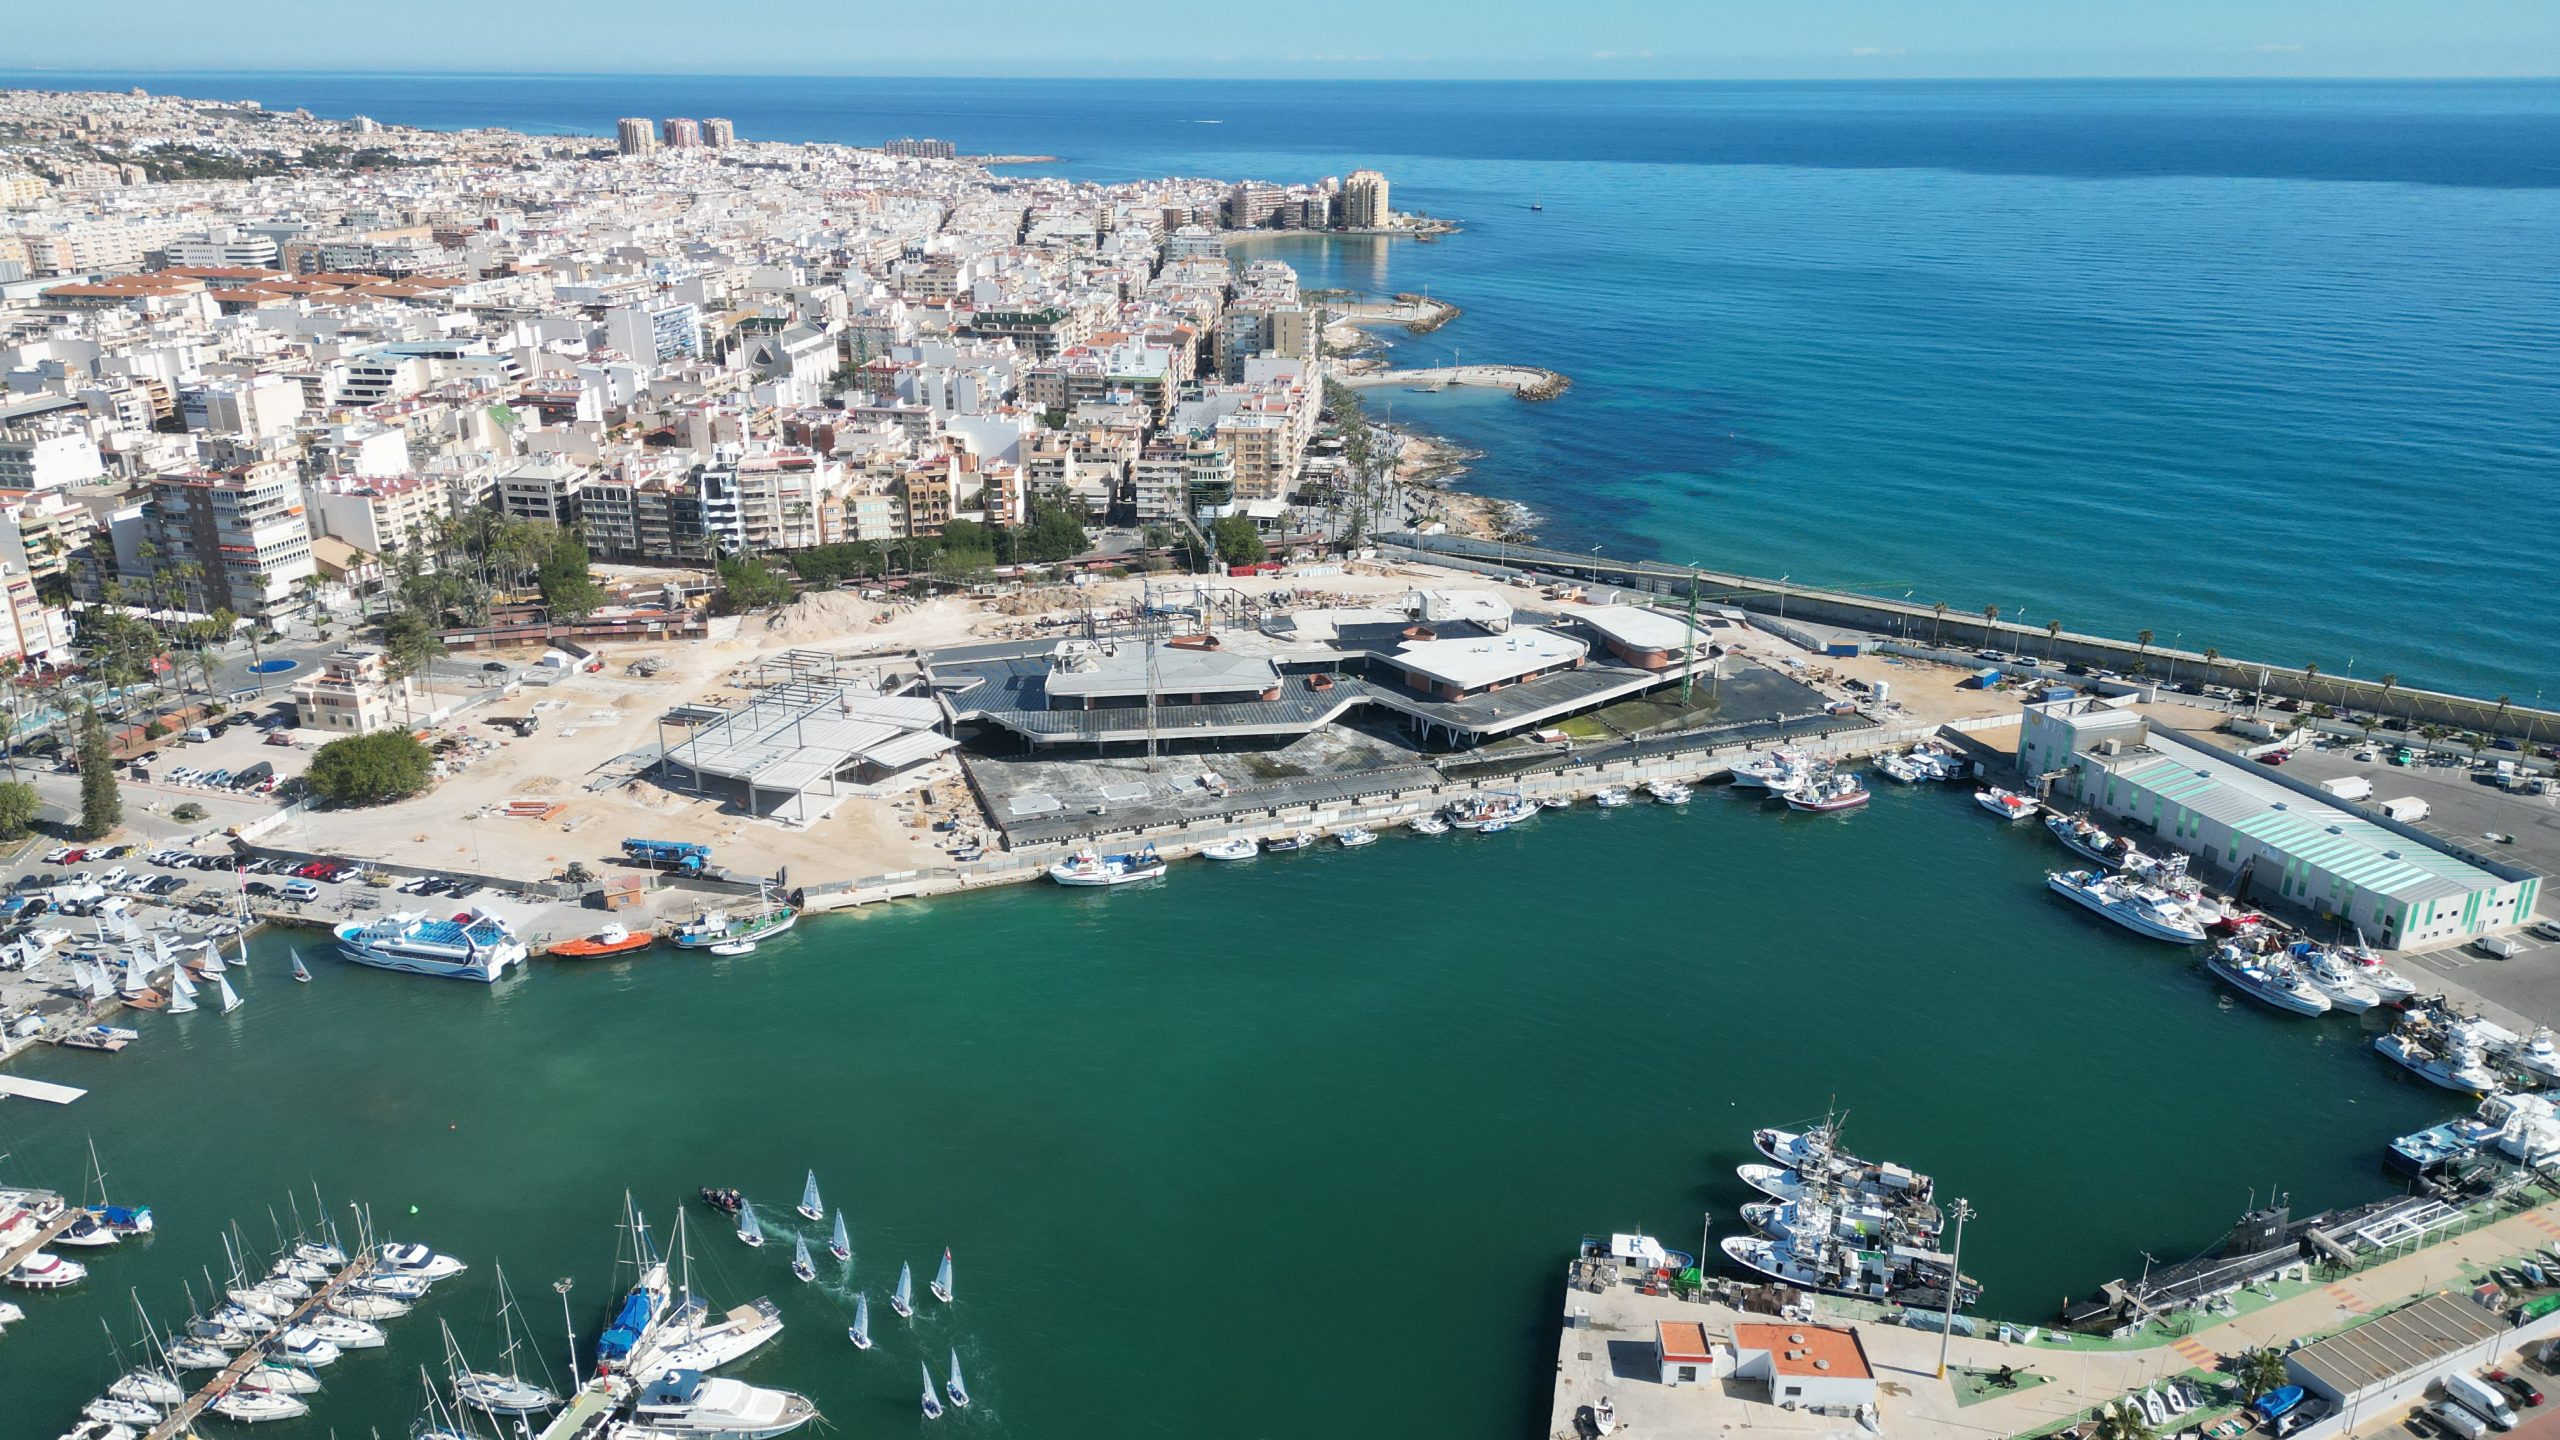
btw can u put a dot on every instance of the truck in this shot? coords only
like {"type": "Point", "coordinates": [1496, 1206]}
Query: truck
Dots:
{"type": "Point", "coordinates": [682, 856]}
{"type": "Point", "coordinates": [2349, 787]}
{"type": "Point", "coordinates": [2408, 809]}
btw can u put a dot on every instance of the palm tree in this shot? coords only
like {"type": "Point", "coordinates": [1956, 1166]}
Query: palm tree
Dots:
{"type": "Point", "coordinates": [2212, 657]}
{"type": "Point", "coordinates": [1990, 617]}
{"type": "Point", "coordinates": [2052, 633]}
{"type": "Point", "coordinates": [2310, 673]}
{"type": "Point", "coordinates": [2261, 1371]}
{"type": "Point", "coordinates": [2123, 1420]}
{"type": "Point", "coordinates": [1940, 627]}
{"type": "Point", "coordinates": [2142, 642]}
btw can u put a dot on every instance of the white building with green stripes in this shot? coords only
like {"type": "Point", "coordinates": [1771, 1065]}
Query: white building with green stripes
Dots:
{"type": "Point", "coordinates": [2290, 843]}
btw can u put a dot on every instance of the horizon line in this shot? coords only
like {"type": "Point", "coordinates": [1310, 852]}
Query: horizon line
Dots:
{"type": "Point", "coordinates": [1300, 78]}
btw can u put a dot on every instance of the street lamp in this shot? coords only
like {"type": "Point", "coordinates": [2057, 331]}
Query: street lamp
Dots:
{"type": "Point", "coordinates": [568, 1327]}
{"type": "Point", "coordinates": [1955, 1280]}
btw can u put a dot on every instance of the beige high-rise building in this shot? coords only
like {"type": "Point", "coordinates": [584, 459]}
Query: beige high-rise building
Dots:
{"type": "Point", "coordinates": [1364, 201]}
{"type": "Point", "coordinates": [719, 134]}
{"type": "Point", "coordinates": [681, 134]}
{"type": "Point", "coordinates": [636, 135]}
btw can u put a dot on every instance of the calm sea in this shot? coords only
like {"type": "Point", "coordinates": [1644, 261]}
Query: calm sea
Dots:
{"type": "Point", "coordinates": [2271, 367]}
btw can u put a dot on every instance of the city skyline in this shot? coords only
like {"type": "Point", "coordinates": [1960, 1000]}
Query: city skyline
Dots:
{"type": "Point", "coordinates": [1496, 39]}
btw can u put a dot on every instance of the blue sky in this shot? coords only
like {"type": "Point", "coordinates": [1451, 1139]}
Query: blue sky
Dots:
{"type": "Point", "coordinates": [1557, 39]}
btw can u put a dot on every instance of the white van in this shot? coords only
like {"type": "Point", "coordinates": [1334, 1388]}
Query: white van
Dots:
{"type": "Point", "coordinates": [2480, 1397]}
{"type": "Point", "coordinates": [2460, 1421]}
{"type": "Point", "coordinates": [2498, 947]}
{"type": "Point", "coordinates": [299, 891]}
{"type": "Point", "coordinates": [199, 735]}
{"type": "Point", "coordinates": [2349, 787]}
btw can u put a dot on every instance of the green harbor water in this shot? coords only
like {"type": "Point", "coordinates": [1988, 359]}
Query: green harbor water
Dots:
{"type": "Point", "coordinates": [1248, 1151]}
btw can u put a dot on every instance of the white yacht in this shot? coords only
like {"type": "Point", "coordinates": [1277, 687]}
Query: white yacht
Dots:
{"type": "Point", "coordinates": [2007, 804]}
{"type": "Point", "coordinates": [480, 947]}
{"type": "Point", "coordinates": [694, 1406]}
{"type": "Point", "coordinates": [694, 1339]}
{"type": "Point", "coordinates": [2138, 908]}
{"type": "Point", "coordinates": [1672, 792]}
{"type": "Point", "coordinates": [42, 1271]}
{"type": "Point", "coordinates": [2537, 1056]}
{"type": "Point", "coordinates": [2343, 983]}
{"type": "Point", "coordinates": [151, 1388]}
{"type": "Point", "coordinates": [2267, 979]}
{"type": "Point", "coordinates": [1242, 847]}
{"type": "Point", "coordinates": [345, 1332]}
{"type": "Point", "coordinates": [1612, 797]}
{"type": "Point", "coordinates": [1769, 771]}
{"type": "Point", "coordinates": [1427, 825]}
{"type": "Point", "coordinates": [252, 1406]}
{"type": "Point", "coordinates": [2455, 1068]}
{"type": "Point", "coordinates": [420, 1261]}
{"type": "Point", "coordinates": [1352, 837]}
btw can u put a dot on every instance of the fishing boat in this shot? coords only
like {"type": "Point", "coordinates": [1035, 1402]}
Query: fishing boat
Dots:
{"type": "Point", "coordinates": [2007, 804]}
{"type": "Point", "coordinates": [859, 1332]}
{"type": "Point", "coordinates": [477, 947]}
{"type": "Point", "coordinates": [750, 1231]}
{"type": "Point", "coordinates": [941, 1286]}
{"type": "Point", "coordinates": [1901, 768]}
{"type": "Point", "coordinates": [689, 1405]}
{"type": "Point", "coordinates": [1241, 847]}
{"type": "Point", "coordinates": [1482, 812]}
{"type": "Point", "coordinates": [903, 1299]}
{"type": "Point", "coordinates": [1806, 1149]}
{"type": "Point", "coordinates": [811, 1207]}
{"type": "Point", "coordinates": [42, 1271]}
{"type": "Point", "coordinates": [953, 1387]}
{"type": "Point", "coordinates": [1769, 771]}
{"type": "Point", "coordinates": [932, 1401]}
{"type": "Point", "coordinates": [2455, 1067]}
{"type": "Point", "coordinates": [1352, 837]}
{"type": "Point", "coordinates": [841, 1245]}
{"type": "Point", "coordinates": [1668, 792]}
{"type": "Point", "coordinates": [714, 928]}
{"type": "Point", "coordinates": [2390, 984]}
{"type": "Point", "coordinates": [801, 1267]}
{"type": "Point", "coordinates": [1612, 797]}
{"type": "Point", "coordinates": [1904, 1275]}
{"type": "Point", "coordinates": [2268, 979]}
{"type": "Point", "coordinates": [2332, 976]}
{"type": "Point", "coordinates": [1088, 867]}
{"type": "Point", "coordinates": [2538, 1056]}
{"type": "Point", "coordinates": [2138, 908]}
{"type": "Point", "coordinates": [611, 940]}
{"type": "Point", "coordinates": [1282, 844]}
{"type": "Point", "coordinates": [1427, 825]}
{"type": "Point", "coordinates": [1831, 793]}
{"type": "Point", "coordinates": [2083, 838]}
{"type": "Point", "coordinates": [301, 972]}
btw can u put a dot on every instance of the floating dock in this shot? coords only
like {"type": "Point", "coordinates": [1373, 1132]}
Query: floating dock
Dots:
{"type": "Point", "coordinates": [179, 1422]}
{"type": "Point", "coordinates": [70, 1216]}
{"type": "Point", "coordinates": [44, 1090]}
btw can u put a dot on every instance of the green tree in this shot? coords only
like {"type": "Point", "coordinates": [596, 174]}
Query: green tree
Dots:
{"type": "Point", "coordinates": [2260, 1371]}
{"type": "Point", "coordinates": [409, 646]}
{"type": "Point", "coordinates": [569, 589]}
{"type": "Point", "coordinates": [1237, 542]}
{"type": "Point", "coordinates": [18, 805]}
{"type": "Point", "coordinates": [188, 814]}
{"type": "Point", "coordinates": [370, 769]}
{"type": "Point", "coordinates": [1056, 531]}
{"type": "Point", "coordinates": [748, 583]}
{"type": "Point", "coordinates": [101, 802]}
{"type": "Point", "coordinates": [2123, 1421]}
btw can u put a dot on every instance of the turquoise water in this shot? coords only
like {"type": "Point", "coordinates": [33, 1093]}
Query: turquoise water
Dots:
{"type": "Point", "coordinates": [2263, 366]}
{"type": "Point", "coordinates": [1266, 1143]}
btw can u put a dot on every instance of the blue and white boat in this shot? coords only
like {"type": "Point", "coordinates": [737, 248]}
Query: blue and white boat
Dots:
{"type": "Point", "coordinates": [1086, 867]}
{"type": "Point", "coordinates": [2136, 907]}
{"type": "Point", "coordinates": [479, 947]}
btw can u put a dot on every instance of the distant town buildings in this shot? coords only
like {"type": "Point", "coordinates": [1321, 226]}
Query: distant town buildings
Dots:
{"type": "Point", "coordinates": [636, 135]}
{"type": "Point", "coordinates": [920, 149]}
{"type": "Point", "coordinates": [681, 134]}
{"type": "Point", "coordinates": [1364, 201]}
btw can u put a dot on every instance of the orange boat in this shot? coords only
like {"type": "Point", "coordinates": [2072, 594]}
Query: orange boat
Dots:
{"type": "Point", "coordinates": [611, 940]}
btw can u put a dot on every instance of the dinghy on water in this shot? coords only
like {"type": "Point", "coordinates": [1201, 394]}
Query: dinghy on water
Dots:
{"type": "Point", "coordinates": [952, 1387]}
{"type": "Point", "coordinates": [932, 1402]}
{"type": "Point", "coordinates": [750, 1233]}
{"type": "Point", "coordinates": [800, 1266]}
{"type": "Point", "coordinates": [230, 1000]}
{"type": "Point", "coordinates": [811, 1208]}
{"type": "Point", "coordinates": [903, 1299]}
{"type": "Point", "coordinates": [941, 1286]}
{"type": "Point", "coordinates": [299, 971]}
{"type": "Point", "coordinates": [860, 1331]}
{"type": "Point", "coordinates": [182, 992]}
{"type": "Point", "coordinates": [841, 1246]}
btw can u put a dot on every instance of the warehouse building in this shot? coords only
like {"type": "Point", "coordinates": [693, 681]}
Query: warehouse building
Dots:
{"type": "Point", "coordinates": [2390, 1360]}
{"type": "Point", "coordinates": [2267, 837]}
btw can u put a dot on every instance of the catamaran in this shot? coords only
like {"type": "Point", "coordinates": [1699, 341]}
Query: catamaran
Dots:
{"type": "Point", "coordinates": [801, 1268]}
{"type": "Point", "coordinates": [841, 1246]}
{"type": "Point", "coordinates": [2136, 907]}
{"type": "Point", "coordinates": [903, 1299]}
{"type": "Point", "coordinates": [477, 947]}
{"type": "Point", "coordinates": [811, 1207]}
{"type": "Point", "coordinates": [1088, 867]}
{"type": "Point", "coordinates": [860, 1331]}
{"type": "Point", "coordinates": [952, 1387]}
{"type": "Point", "coordinates": [941, 1286]}
{"type": "Point", "coordinates": [932, 1401]}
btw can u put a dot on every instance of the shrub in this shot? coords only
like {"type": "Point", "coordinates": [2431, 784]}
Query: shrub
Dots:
{"type": "Point", "coordinates": [188, 813]}
{"type": "Point", "coordinates": [370, 769]}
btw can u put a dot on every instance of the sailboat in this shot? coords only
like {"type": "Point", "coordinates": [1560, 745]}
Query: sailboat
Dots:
{"type": "Point", "coordinates": [750, 1233]}
{"type": "Point", "coordinates": [958, 1392]}
{"type": "Point", "coordinates": [860, 1331]}
{"type": "Point", "coordinates": [941, 1286]}
{"type": "Point", "coordinates": [800, 1265]}
{"type": "Point", "coordinates": [841, 1246]}
{"type": "Point", "coordinates": [230, 1001]}
{"type": "Point", "coordinates": [932, 1402]}
{"type": "Point", "coordinates": [811, 1207]}
{"type": "Point", "coordinates": [903, 1299]}
{"type": "Point", "coordinates": [211, 963]}
{"type": "Point", "coordinates": [299, 972]}
{"type": "Point", "coordinates": [182, 992]}
{"type": "Point", "coordinates": [509, 1393]}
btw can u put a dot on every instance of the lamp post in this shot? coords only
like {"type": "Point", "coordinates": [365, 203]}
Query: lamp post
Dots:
{"type": "Point", "coordinates": [1955, 1279]}
{"type": "Point", "coordinates": [568, 1327]}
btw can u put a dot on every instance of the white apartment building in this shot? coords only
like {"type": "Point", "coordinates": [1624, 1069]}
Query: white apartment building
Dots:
{"type": "Point", "coordinates": [244, 529]}
{"type": "Point", "coordinates": [48, 460]}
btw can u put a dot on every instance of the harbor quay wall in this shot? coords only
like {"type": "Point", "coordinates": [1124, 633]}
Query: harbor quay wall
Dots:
{"type": "Point", "coordinates": [1562, 776]}
{"type": "Point", "coordinates": [1758, 595]}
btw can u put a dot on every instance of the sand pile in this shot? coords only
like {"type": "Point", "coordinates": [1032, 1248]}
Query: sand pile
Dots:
{"type": "Point", "coordinates": [821, 615]}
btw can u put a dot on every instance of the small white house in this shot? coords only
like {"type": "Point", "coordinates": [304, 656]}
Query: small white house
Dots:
{"type": "Point", "coordinates": [1680, 1348]}
{"type": "Point", "coordinates": [1805, 1364]}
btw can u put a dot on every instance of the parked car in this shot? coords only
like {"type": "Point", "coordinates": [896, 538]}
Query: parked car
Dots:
{"type": "Point", "coordinates": [259, 888]}
{"type": "Point", "coordinates": [279, 737]}
{"type": "Point", "coordinates": [465, 890]}
{"type": "Point", "coordinates": [2524, 1393]}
